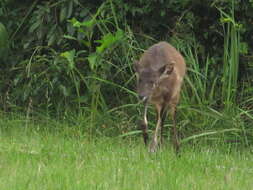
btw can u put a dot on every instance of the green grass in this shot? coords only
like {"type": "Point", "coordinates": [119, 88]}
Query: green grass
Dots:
{"type": "Point", "coordinates": [65, 159]}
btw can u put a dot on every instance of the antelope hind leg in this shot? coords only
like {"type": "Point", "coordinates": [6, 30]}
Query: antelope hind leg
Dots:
{"type": "Point", "coordinates": [174, 133]}
{"type": "Point", "coordinates": [163, 115]}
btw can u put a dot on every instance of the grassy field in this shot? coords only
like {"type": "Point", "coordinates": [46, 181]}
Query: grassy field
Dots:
{"type": "Point", "coordinates": [65, 159]}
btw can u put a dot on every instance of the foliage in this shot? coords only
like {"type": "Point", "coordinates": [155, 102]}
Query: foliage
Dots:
{"type": "Point", "coordinates": [75, 56]}
{"type": "Point", "coordinates": [3, 42]}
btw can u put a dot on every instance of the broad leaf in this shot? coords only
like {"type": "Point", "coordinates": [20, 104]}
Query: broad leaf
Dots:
{"type": "Point", "coordinates": [92, 60]}
{"type": "Point", "coordinates": [108, 40]}
{"type": "Point", "coordinates": [69, 55]}
{"type": "Point", "coordinates": [3, 41]}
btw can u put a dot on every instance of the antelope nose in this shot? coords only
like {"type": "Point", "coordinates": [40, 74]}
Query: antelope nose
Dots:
{"type": "Point", "coordinates": [142, 98]}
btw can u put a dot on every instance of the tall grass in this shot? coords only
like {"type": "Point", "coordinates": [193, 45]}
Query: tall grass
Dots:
{"type": "Point", "coordinates": [95, 84]}
{"type": "Point", "coordinates": [231, 31]}
{"type": "Point", "coordinates": [202, 114]}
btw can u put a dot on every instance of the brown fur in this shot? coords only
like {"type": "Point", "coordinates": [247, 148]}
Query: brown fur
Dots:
{"type": "Point", "coordinates": [161, 70]}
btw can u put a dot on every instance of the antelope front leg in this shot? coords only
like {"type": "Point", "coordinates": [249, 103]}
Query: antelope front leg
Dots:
{"type": "Point", "coordinates": [144, 126]}
{"type": "Point", "coordinates": [154, 144]}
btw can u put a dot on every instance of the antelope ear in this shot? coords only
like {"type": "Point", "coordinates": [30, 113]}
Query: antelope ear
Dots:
{"type": "Point", "coordinates": [166, 69]}
{"type": "Point", "coordinates": [136, 66]}
{"type": "Point", "coordinates": [162, 69]}
{"type": "Point", "coordinates": [169, 69]}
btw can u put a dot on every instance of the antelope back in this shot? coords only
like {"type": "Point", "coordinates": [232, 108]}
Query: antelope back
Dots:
{"type": "Point", "coordinates": [160, 69]}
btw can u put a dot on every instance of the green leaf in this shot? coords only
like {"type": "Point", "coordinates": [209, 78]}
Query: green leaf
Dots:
{"type": "Point", "coordinates": [119, 34]}
{"type": "Point", "coordinates": [34, 26]}
{"type": "Point", "coordinates": [51, 40]}
{"type": "Point", "coordinates": [64, 90]}
{"type": "Point", "coordinates": [63, 14]}
{"type": "Point", "coordinates": [83, 99]}
{"type": "Point", "coordinates": [226, 20]}
{"type": "Point", "coordinates": [243, 48]}
{"type": "Point", "coordinates": [92, 61]}
{"type": "Point", "coordinates": [105, 42]}
{"type": "Point", "coordinates": [69, 37]}
{"type": "Point", "coordinates": [75, 22]}
{"type": "Point", "coordinates": [70, 55]}
{"type": "Point", "coordinates": [70, 9]}
{"type": "Point", "coordinates": [86, 43]}
{"type": "Point", "coordinates": [162, 13]}
{"type": "Point", "coordinates": [88, 23]}
{"type": "Point", "coordinates": [3, 41]}
{"type": "Point", "coordinates": [108, 40]}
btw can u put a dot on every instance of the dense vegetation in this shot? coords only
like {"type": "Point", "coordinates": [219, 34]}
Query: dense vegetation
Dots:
{"type": "Point", "coordinates": [72, 60]}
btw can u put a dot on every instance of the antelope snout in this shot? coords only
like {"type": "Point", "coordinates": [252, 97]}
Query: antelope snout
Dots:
{"type": "Point", "coordinates": [143, 98]}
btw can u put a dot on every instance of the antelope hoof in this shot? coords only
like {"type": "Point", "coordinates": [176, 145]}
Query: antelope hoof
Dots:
{"type": "Point", "coordinates": [153, 147]}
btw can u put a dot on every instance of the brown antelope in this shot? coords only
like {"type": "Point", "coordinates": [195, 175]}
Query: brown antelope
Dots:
{"type": "Point", "coordinates": [160, 72]}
